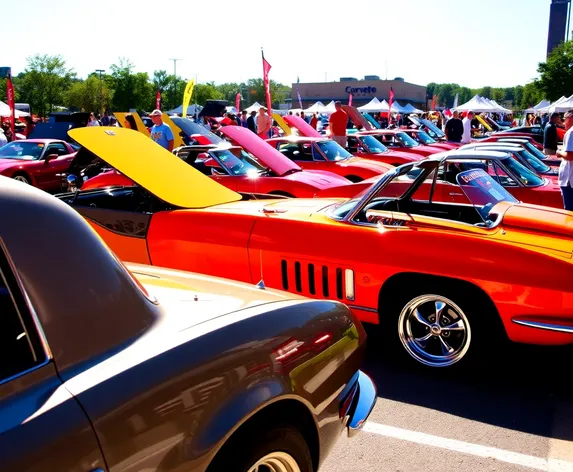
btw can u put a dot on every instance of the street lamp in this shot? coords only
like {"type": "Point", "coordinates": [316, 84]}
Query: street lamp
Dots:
{"type": "Point", "coordinates": [100, 71]}
{"type": "Point", "coordinates": [175, 78]}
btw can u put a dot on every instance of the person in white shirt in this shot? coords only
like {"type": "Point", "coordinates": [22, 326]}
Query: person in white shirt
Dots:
{"type": "Point", "coordinates": [467, 122]}
{"type": "Point", "coordinates": [92, 121]}
{"type": "Point", "coordinates": [3, 138]}
{"type": "Point", "coordinates": [566, 167]}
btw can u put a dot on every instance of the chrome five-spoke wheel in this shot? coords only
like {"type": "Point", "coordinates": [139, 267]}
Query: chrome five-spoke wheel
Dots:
{"type": "Point", "coordinates": [276, 462]}
{"type": "Point", "coordinates": [434, 330]}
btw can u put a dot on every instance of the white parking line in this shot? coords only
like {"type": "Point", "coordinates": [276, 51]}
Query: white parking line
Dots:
{"type": "Point", "coordinates": [538, 463]}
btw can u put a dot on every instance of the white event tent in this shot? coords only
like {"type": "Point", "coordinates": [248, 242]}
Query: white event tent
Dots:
{"type": "Point", "coordinates": [5, 111]}
{"type": "Point", "coordinates": [373, 106]}
{"type": "Point", "coordinates": [318, 107]}
{"type": "Point", "coordinates": [479, 105]}
{"type": "Point", "coordinates": [409, 108]}
{"type": "Point", "coordinates": [563, 106]}
{"type": "Point", "coordinates": [541, 105]}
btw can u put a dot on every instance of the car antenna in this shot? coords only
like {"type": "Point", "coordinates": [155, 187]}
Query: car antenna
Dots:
{"type": "Point", "coordinates": [261, 283]}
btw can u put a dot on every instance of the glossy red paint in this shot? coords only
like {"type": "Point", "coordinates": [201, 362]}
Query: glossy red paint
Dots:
{"type": "Point", "coordinates": [53, 157]}
{"type": "Point", "coordinates": [321, 153]}
{"type": "Point", "coordinates": [358, 146]}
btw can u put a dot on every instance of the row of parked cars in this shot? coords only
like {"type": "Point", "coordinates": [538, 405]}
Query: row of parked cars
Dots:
{"type": "Point", "coordinates": [135, 360]}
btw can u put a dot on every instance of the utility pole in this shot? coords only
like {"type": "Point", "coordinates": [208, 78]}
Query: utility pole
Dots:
{"type": "Point", "coordinates": [175, 79]}
{"type": "Point", "coordinates": [100, 71]}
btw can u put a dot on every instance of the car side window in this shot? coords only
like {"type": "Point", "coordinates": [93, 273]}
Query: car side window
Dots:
{"type": "Point", "coordinates": [56, 148]}
{"type": "Point", "coordinates": [19, 343]}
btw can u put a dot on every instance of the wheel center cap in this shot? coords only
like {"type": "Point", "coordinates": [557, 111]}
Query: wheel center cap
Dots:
{"type": "Point", "coordinates": [435, 330]}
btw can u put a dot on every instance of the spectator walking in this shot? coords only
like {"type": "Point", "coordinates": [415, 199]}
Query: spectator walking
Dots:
{"type": "Point", "coordinates": [314, 120]}
{"type": "Point", "coordinates": [264, 123]}
{"type": "Point", "coordinates": [252, 122]}
{"type": "Point", "coordinates": [105, 119]}
{"type": "Point", "coordinates": [160, 132]}
{"type": "Point", "coordinates": [454, 128]}
{"type": "Point", "coordinates": [566, 167]}
{"type": "Point", "coordinates": [467, 125]}
{"type": "Point", "coordinates": [337, 124]}
{"type": "Point", "coordinates": [244, 119]}
{"type": "Point", "coordinates": [550, 135]}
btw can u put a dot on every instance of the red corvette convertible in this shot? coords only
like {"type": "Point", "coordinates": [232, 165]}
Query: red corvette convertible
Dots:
{"type": "Point", "coordinates": [37, 162]}
{"type": "Point", "coordinates": [268, 172]}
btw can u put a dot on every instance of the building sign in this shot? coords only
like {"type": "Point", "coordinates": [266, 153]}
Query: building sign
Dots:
{"type": "Point", "coordinates": [357, 91]}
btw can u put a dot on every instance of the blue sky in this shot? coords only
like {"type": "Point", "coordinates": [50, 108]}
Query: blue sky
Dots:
{"type": "Point", "coordinates": [473, 43]}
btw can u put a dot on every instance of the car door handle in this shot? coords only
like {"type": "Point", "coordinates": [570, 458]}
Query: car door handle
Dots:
{"type": "Point", "coordinates": [452, 194]}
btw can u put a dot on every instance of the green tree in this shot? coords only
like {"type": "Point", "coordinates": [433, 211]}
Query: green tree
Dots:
{"type": "Point", "coordinates": [44, 82]}
{"type": "Point", "coordinates": [131, 90]}
{"type": "Point", "coordinates": [532, 95]}
{"type": "Point", "coordinates": [256, 91]}
{"type": "Point", "coordinates": [206, 91]}
{"type": "Point", "coordinates": [556, 75]}
{"type": "Point", "coordinates": [89, 95]}
{"type": "Point", "coordinates": [229, 91]}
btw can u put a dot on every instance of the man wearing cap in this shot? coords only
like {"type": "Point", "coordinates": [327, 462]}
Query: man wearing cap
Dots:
{"type": "Point", "coordinates": [264, 123]}
{"type": "Point", "coordinates": [337, 124]}
{"type": "Point", "coordinates": [160, 132]}
{"type": "Point", "coordinates": [550, 135]}
{"type": "Point", "coordinates": [566, 167]}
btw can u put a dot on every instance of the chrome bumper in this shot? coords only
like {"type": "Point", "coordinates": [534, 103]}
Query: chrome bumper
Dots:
{"type": "Point", "coordinates": [362, 404]}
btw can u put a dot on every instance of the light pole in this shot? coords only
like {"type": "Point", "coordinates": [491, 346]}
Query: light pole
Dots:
{"type": "Point", "coordinates": [100, 71]}
{"type": "Point", "coordinates": [175, 78]}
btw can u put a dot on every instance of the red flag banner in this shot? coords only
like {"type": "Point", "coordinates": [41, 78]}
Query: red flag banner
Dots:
{"type": "Point", "coordinates": [11, 104]}
{"type": "Point", "coordinates": [350, 100]}
{"type": "Point", "coordinates": [434, 101]}
{"type": "Point", "coordinates": [266, 70]}
{"type": "Point", "coordinates": [238, 102]}
{"type": "Point", "coordinates": [158, 100]}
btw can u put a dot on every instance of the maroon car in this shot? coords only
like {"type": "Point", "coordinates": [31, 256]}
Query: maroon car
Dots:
{"type": "Point", "coordinates": [37, 162]}
{"type": "Point", "coordinates": [114, 368]}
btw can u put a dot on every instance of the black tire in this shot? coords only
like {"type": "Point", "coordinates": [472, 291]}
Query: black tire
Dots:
{"type": "Point", "coordinates": [22, 178]}
{"type": "Point", "coordinates": [354, 178]}
{"type": "Point", "coordinates": [245, 451]}
{"type": "Point", "coordinates": [463, 307]}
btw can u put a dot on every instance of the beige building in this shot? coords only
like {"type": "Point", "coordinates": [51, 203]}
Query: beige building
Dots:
{"type": "Point", "coordinates": [362, 91]}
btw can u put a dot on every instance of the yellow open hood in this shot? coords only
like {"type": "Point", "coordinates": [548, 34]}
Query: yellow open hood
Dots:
{"type": "Point", "coordinates": [152, 167]}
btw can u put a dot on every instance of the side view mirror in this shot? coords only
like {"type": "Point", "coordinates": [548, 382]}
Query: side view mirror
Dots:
{"type": "Point", "coordinates": [51, 157]}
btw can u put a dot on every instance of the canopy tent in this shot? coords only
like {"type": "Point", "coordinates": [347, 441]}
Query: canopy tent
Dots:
{"type": "Point", "coordinates": [409, 108]}
{"type": "Point", "coordinates": [5, 111]}
{"type": "Point", "coordinates": [318, 107]}
{"type": "Point", "coordinates": [330, 108]}
{"type": "Point", "coordinates": [254, 107]}
{"type": "Point", "coordinates": [372, 106]}
{"type": "Point", "coordinates": [542, 104]}
{"type": "Point", "coordinates": [477, 104]}
{"type": "Point", "coordinates": [549, 107]}
{"type": "Point", "coordinates": [191, 110]}
{"type": "Point", "coordinates": [562, 106]}
{"type": "Point", "coordinates": [500, 109]}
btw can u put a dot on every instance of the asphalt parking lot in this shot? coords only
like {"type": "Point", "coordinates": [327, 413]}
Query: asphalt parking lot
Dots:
{"type": "Point", "coordinates": [514, 416]}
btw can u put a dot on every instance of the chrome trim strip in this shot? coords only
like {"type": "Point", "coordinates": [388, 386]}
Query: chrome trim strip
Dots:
{"type": "Point", "coordinates": [25, 372]}
{"type": "Point", "coordinates": [362, 308]}
{"type": "Point", "coordinates": [546, 326]}
{"type": "Point", "coordinates": [363, 403]}
{"type": "Point", "coordinates": [34, 315]}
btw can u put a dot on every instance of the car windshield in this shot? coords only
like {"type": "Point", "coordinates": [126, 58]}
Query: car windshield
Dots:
{"type": "Point", "coordinates": [406, 140]}
{"type": "Point", "coordinates": [373, 144]}
{"type": "Point", "coordinates": [332, 150]}
{"type": "Point", "coordinates": [413, 189]}
{"type": "Point", "coordinates": [22, 150]}
{"type": "Point", "coordinates": [238, 162]}
{"type": "Point", "coordinates": [535, 151]}
{"type": "Point", "coordinates": [534, 162]}
{"type": "Point", "coordinates": [483, 192]}
{"type": "Point", "coordinates": [424, 137]}
{"type": "Point", "coordinates": [432, 129]}
{"type": "Point", "coordinates": [527, 177]}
